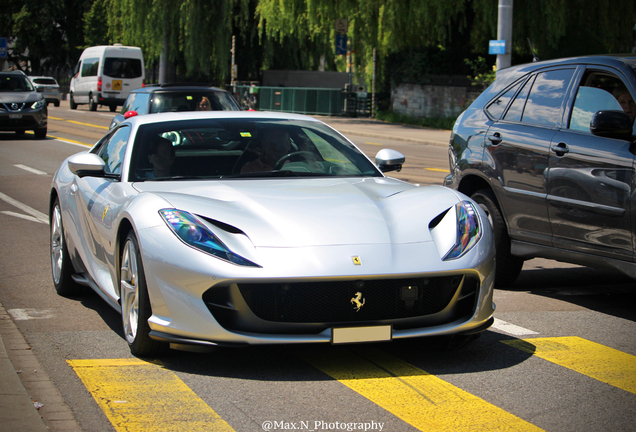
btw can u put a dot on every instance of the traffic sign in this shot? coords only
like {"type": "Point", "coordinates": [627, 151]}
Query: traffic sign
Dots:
{"type": "Point", "coordinates": [497, 47]}
{"type": "Point", "coordinates": [341, 44]}
{"type": "Point", "coordinates": [342, 26]}
{"type": "Point", "coordinates": [3, 47]}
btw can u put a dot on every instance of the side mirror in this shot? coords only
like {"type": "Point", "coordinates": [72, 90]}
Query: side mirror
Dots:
{"type": "Point", "coordinates": [611, 124]}
{"type": "Point", "coordinates": [86, 164]}
{"type": "Point", "coordinates": [389, 160]}
{"type": "Point", "coordinates": [129, 114]}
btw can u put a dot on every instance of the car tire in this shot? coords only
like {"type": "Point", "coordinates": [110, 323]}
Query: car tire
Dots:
{"type": "Point", "coordinates": [92, 105]}
{"type": "Point", "coordinates": [72, 102]}
{"type": "Point", "coordinates": [40, 133]}
{"type": "Point", "coordinates": [61, 266]}
{"type": "Point", "coordinates": [135, 302]}
{"type": "Point", "coordinates": [56, 103]}
{"type": "Point", "coordinates": [113, 108]}
{"type": "Point", "coordinates": [508, 266]}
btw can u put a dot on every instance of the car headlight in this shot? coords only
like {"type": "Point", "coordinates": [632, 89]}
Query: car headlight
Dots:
{"type": "Point", "coordinates": [37, 104]}
{"type": "Point", "coordinates": [194, 233]}
{"type": "Point", "coordinates": [456, 231]}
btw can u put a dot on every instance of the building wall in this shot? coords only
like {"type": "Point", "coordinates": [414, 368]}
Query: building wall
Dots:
{"type": "Point", "coordinates": [432, 100]}
{"type": "Point", "coordinates": [289, 78]}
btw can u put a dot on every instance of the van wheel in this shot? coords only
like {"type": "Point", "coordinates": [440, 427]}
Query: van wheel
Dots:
{"type": "Point", "coordinates": [92, 105]}
{"type": "Point", "coordinates": [113, 108]}
{"type": "Point", "coordinates": [72, 102]}
{"type": "Point", "coordinates": [508, 266]}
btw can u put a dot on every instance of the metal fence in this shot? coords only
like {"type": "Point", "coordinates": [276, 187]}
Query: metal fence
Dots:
{"type": "Point", "coordinates": [301, 100]}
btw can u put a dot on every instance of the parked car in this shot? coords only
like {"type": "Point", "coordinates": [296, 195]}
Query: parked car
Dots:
{"type": "Point", "coordinates": [169, 219]}
{"type": "Point", "coordinates": [105, 75]}
{"type": "Point", "coordinates": [22, 107]}
{"type": "Point", "coordinates": [51, 88]}
{"type": "Point", "coordinates": [548, 152]}
{"type": "Point", "coordinates": [175, 97]}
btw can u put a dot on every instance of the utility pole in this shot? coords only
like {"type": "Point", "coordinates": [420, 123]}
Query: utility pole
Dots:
{"type": "Point", "coordinates": [163, 59]}
{"type": "Point", "coordinates": [504, 32]}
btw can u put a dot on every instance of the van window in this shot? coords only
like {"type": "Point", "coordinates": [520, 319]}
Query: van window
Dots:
{"type": "Point", "coordinates": [121, 67]}
{"type": "Point", "coordinates": [90, 66]}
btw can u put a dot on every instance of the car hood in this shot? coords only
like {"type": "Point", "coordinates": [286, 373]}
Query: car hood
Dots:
{"type": "Point", "coordinates": [312, 212]}
{"type": "Point", "coordinates": [19, 97]}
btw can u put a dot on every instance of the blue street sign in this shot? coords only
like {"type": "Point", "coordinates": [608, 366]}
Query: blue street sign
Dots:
{"type": "Point", "coordinates": [341, 44]}
{"type": "Point", "coordinates": [497, 47]}
{"type": "Point", "coordinates": [3, 47]}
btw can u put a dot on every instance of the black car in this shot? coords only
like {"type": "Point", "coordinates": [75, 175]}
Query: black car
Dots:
{"type": "Point", "coordinates": [173, 98]}
{"type": "Point", "coordinates": [548, 151]}
{"type": "Point", "coordinates": [22, 107]}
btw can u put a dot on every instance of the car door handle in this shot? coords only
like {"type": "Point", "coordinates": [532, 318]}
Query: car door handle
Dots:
{"type": "Point", "coordinates": [73, 189]}
{"type": "Point", "coordinates": [560, 149]}
{"type": "Point", "coordinates": [495, 138]}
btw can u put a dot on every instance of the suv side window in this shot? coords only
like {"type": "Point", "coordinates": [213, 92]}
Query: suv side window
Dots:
{"type": "Point", "coordinates": [544, 103]}
{"type": "Point", "coordinates": [113, 150]}
{"type": "Point", "coordinates": [599, 90]}
{"type": "Point", "coordinates": [516, 108]}
{"type": "Point", "coordinates": [497, 107]}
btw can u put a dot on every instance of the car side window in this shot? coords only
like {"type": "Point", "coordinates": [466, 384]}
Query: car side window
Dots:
{"type": "Point", "coordinates": [498, 106]}
{"type": "Point", "coordinates": [516, 108]}
{"type": "Point", "coordinates": [545, 101]}
{"type": "Point", "coordinates": [113, 150]}
{"type": "Point", "coordinates": [599, 91]}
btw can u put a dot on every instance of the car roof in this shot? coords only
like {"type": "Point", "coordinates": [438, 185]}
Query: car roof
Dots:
{"type": "Point", "coordinates": [616, 60]}
{"type": "Point", "coordinates": [197, 115]}
{"type": "Point", "coordinates": [176, 87]}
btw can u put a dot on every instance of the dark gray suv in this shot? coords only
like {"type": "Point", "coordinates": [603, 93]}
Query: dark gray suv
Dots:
{"type": "Point", "coordinates": [22, 107]}
{"type": "Point", "coordinates": [548, 151]}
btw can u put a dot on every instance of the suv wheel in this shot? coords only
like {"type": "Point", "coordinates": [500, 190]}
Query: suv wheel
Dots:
{"type": "Point", "coordinates": [508, 266]}
{"type": "Point", "coordinates": [40, 133]}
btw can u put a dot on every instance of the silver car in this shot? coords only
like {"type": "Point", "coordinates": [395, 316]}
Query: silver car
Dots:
{"type": "Point", "coordinates": [49, 87]}
{"type": "Point", "coordinates": [234, 228]}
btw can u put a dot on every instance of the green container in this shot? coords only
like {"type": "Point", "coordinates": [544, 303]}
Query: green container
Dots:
{"type": "Point", "coordinates": [300, 100]}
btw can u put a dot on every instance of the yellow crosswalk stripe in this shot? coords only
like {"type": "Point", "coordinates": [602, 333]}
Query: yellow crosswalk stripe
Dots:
{"type": "Point", "coordinates": [422, 400]}
{"type": "Point", "coordinates": [586, 357]}
{"type": "Point", "coordinates": [139, 396]}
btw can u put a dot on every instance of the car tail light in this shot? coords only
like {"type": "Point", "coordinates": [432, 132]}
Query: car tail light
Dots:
{"type": "Point", "coordinates": [99, 83]}
{"type": "Point", "coordinates": [143, 83]}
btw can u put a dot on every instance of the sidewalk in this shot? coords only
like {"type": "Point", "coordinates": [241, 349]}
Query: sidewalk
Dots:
{"type": "Point", "coordinates": [19, 370]}
{"type": "Point", "coordinates": [390, 131]}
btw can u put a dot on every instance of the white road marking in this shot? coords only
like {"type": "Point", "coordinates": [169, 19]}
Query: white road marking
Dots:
{"type": "Point", "coordinates": [22, 216]}
{"type": "Point", "coordinates": [30, 313]}
{"type": "Point", "coordinates": [512, 329]}
{"type": "Point", "coordinates": [33, 170]}
{"type": "Point", "coordinates": [25, 208]}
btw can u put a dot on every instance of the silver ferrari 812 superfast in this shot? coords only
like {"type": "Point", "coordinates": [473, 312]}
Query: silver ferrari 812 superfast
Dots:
{"type": "Point", "coordinates": [240, 228]}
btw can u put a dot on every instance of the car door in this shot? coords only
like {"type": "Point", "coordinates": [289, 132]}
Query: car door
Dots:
{"type": "Point", "coordinates": [591, 178]}
{"type": "Point", "coordinates": [517, 149]}
{"type": "Point", "coordinates": [98, 201]}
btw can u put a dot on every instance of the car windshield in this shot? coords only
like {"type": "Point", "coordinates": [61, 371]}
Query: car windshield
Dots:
{"type": "Point", "coordinates": [192, 101]}
{"type": "Point", "coordinates": [244, 148]}
{"type": "Point", "coordinates": [14, 83]}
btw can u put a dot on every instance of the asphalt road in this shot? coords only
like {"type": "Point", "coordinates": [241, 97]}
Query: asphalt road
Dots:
{"type": "Point", "coordinates": [575, 372]}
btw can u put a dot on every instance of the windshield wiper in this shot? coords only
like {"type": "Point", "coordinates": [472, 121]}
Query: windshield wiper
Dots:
{"type": "Point", "coordinates": [181, 178]}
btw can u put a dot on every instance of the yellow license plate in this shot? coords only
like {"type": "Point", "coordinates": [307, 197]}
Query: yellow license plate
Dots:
{"type": "Point", "coordinates": [361, 334]}
{"type": "Point", "coordinates": [116, 84]}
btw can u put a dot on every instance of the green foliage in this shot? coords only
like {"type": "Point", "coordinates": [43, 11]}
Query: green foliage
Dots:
{"type": "Point", "coordinates": [96, 24]}
{"type": "Point", "coordinates": [483, 75]}
{"type": "Point", "coordinates": [445, 123]}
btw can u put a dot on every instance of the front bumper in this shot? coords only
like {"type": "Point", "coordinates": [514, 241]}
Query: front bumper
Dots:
{"type": "Point", "coordinates": [23, 119]}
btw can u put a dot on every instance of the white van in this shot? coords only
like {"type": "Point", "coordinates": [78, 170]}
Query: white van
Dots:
{"type": "Point", "coordinates": [105, 75]}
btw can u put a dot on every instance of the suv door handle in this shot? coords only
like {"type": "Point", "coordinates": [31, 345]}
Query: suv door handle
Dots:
{"type": "Point", "coordinates": [560, 149]}
{"type": "Point", "coordinates": [495, 138]}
